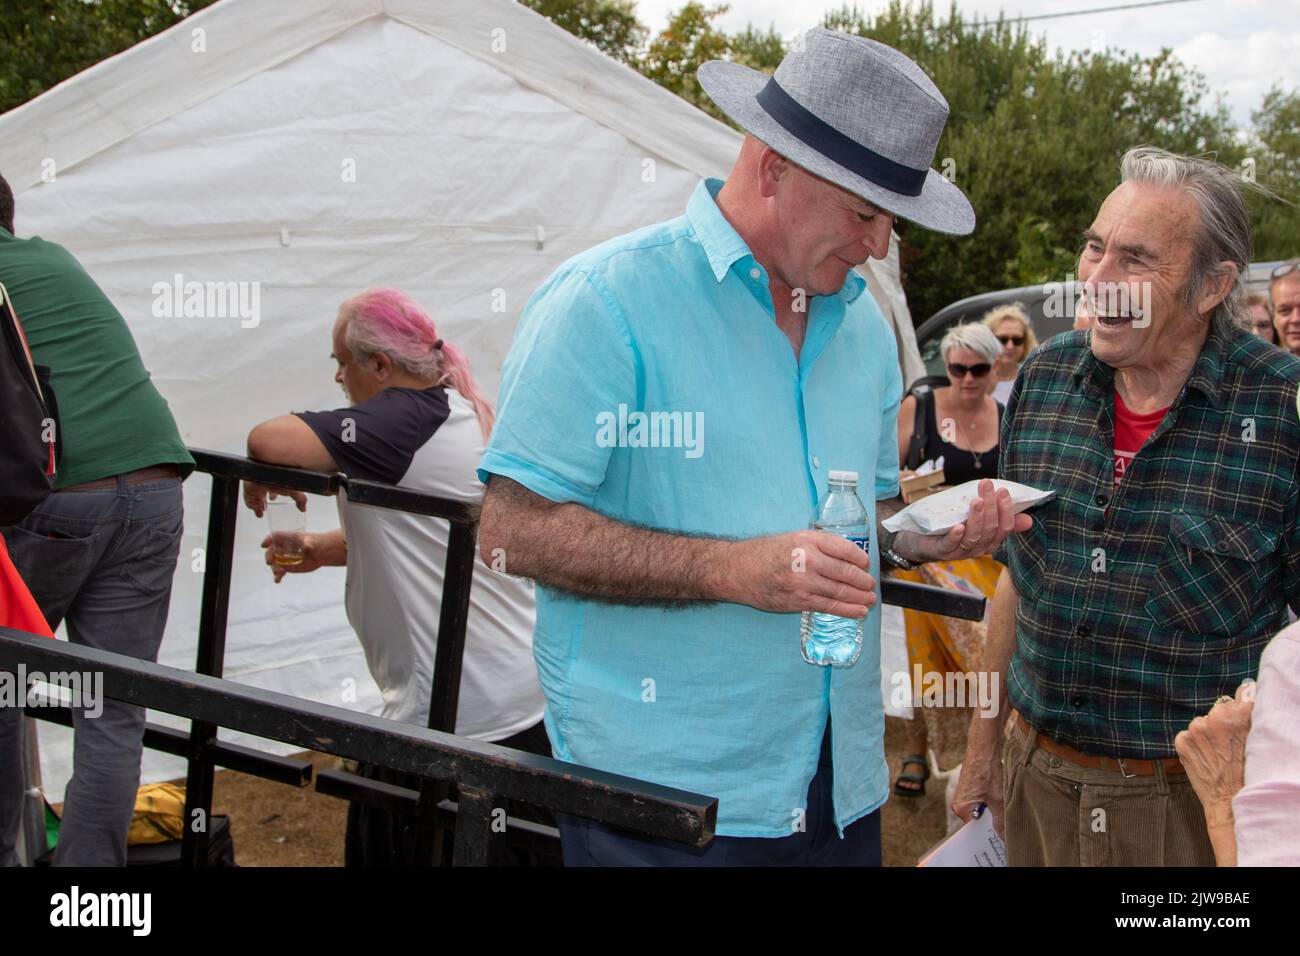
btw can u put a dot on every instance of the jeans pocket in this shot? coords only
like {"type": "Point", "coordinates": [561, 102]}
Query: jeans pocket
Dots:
{"type": "Point", "coordinates": [51, 560]}
{"type": "Point", "coordinates": [151, 567]}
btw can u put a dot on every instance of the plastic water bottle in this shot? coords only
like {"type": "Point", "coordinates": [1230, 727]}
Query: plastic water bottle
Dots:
{"type": "Point", "coordinates": [828, 639]}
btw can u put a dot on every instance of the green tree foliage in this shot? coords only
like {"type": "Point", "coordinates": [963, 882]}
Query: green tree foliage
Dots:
{"type": "Point", "coordinates": [1275, 151]}
{"type": "Point", "coordinates": [689, 40]}
{"type": "Point", "coordinates": [762, 51]}
{"type": "Point", "coordinates": [611, 25]}
{"type": "Point", "coordinates": [46, 41]}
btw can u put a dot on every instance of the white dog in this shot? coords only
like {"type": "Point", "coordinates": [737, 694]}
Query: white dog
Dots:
{"type": "Point", "coordinates": [951, 779]}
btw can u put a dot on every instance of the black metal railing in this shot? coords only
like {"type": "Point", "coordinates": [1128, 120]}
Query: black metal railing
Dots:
{"type": "Point", "coordinates": [482, 773]}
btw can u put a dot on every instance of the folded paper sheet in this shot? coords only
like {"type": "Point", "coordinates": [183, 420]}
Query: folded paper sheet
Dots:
{"type": "Point", "coordinates": [939, 512]}
{"type": "Point", "coordinates": [975, 844]}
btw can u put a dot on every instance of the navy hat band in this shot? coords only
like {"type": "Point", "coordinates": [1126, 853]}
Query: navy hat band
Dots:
{"type": "Point", "coordinates": [834, 145]}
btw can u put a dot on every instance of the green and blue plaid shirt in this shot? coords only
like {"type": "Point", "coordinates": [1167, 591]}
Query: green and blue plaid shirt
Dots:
{"type": "Point", "coordinates": [1139, 605]}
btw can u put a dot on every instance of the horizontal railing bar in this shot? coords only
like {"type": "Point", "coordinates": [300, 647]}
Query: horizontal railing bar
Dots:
{"type": "Point", "coordinates": [379, 495]}
{"type": "Point", "coordinates": [374, 493]}
{"type": "Point", "coordinates": [169, 740]}
{"type": "Point", "coordinates": [935, 600]}
{"type": "Point", "coordinates": [378, 794]}
{"type": "Point", "coordinates": [649, 808]}
{"type": "Point", "coordinates": [394, 799]}
{"type": "Point", "coordinates": [221, 465]}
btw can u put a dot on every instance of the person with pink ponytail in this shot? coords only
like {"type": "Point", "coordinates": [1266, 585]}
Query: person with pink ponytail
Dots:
{"type": "Point", "coordinates": [389, 322]}
{"type": "Point", "coordinates": [419, 420]}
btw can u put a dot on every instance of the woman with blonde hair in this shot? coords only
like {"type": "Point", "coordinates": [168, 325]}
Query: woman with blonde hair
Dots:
{"type": "Point", "coordinates": [1011, 325]}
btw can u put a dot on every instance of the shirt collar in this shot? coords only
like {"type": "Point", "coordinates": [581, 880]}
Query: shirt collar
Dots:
{"type": "Point", "coordinates": [724, 247]}
{"type": "Point", "coordinates": [1206, 376]}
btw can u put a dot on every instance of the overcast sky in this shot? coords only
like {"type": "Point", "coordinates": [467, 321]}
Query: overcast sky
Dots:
{"type": "Point", "coordinates": [1242, 47]}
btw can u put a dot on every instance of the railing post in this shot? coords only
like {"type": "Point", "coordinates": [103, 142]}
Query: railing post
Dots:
{"type": "Point", "coordinates": [222, 512]}
{"type": "Point", "coordinates": [445, 694]}
{"type": "Point", "coordinates": [474, 836]}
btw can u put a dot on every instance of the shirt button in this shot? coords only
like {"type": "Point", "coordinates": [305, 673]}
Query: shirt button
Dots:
{"type": "Point", "coordinates": [1083, 630]}
{"type": "Point", "coordinates": [817, 462]}
{"type": "Point", "coordinates": [1101, 500]}
{"type": "Point", "coordinates": [1076, 701]}
{"type": "Point", "coordinates": [755, 274]}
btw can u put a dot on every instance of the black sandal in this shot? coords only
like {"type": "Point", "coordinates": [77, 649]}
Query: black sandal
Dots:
{"type": "Point", "coordinates": [912, 776]}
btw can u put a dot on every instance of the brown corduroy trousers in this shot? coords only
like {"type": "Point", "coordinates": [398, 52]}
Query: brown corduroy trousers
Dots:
{"type": "Point", "coordinates": [1061, 814]}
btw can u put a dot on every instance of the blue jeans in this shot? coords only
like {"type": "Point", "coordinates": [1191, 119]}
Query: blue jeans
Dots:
{"type": "Point", "coordinates": [587, 843]}
{"type": "Point", "coordinates": [103, 561]}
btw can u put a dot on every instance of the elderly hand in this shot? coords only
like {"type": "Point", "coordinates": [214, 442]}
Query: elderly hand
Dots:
{"type": "Point", "coordinates": [987, 525]}
{"type": "Point", "coordinates": [1213, 752]}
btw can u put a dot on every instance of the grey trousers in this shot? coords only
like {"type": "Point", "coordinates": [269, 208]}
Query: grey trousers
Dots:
{"type": "Point", "coordinates": [103, 561]}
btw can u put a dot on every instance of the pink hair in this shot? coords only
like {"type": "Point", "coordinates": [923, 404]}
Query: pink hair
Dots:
{"type": "Point", "coordinates": [390, 321]}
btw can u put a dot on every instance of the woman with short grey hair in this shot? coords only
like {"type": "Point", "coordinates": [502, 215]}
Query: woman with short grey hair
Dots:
{"type": "Point", "coordinates": [971, 336]}
{"type": "Point", "coordinates": [960, 422]}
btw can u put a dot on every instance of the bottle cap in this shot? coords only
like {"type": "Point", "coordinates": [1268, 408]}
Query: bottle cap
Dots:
{"type": "Point", "coordinates": [844, 477]}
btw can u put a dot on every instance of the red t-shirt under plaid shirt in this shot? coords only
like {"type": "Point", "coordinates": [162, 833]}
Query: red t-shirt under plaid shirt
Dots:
{"type": "Point", "coordinates": [1131, 432]}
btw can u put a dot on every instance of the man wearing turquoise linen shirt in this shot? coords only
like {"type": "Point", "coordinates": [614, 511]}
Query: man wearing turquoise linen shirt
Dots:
{"type": "Point", "coordinates": [670, 409]}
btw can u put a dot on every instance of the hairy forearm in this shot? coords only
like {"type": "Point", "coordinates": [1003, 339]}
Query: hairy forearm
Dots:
{"type": "Point", "coordinates": [575, 549]}
{"type": "Point", "coordinates": [884, 509]}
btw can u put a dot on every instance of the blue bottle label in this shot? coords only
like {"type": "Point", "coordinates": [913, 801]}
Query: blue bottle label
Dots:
{"type": "Point", "coordinates": [862, 541]}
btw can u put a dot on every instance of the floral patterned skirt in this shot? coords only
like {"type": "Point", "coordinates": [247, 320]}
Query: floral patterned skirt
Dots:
{"type": "Point", "coordinates": [946, 645]}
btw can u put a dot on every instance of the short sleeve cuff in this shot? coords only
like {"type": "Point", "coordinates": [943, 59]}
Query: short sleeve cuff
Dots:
{"type": "Point", "coordinates": [537, 480]}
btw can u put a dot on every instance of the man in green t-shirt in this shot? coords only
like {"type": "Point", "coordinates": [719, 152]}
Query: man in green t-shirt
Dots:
{"type": "Point", "coordinates": [100, 552]}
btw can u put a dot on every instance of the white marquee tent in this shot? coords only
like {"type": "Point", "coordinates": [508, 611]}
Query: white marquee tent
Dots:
{"type": "Point", "coordinates": [459, 149]}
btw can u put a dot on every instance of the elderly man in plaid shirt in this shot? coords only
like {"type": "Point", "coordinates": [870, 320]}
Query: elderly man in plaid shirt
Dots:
{"type": "Point", "coordinates": [1150, 585]}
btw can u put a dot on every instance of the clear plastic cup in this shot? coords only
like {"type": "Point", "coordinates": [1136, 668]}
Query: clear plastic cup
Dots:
{"type": "Point", "coordinates": [288, 526]}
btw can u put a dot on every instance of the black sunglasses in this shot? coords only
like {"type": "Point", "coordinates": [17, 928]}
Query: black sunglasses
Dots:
{"type": "Point", "coordinates": [1011, 339]}
{"type": "Point", "coordinates": [979, 370]}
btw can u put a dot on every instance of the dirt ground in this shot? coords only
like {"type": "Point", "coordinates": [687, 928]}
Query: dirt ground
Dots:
{"type": "Point", "coordinates": [275, 825]}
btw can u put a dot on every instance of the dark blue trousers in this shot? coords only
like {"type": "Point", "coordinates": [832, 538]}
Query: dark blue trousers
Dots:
{"type": "Point", "coordinates": [587, 843]}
